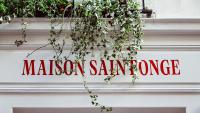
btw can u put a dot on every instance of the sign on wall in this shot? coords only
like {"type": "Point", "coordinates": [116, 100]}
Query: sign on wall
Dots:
{"type": "Point", "coordinates": [153, 66]}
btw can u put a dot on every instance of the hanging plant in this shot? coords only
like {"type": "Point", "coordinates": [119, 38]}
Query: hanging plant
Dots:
{"type": "Point", "coordinates": [92, 32]}
{"type": "Point", "coordinates": [113, 27]}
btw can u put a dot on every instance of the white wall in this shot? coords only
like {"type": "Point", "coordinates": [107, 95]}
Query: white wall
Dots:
{"type": "Point", "coordinates": [177, 36]}
{"type": "Point", "coordinates": [175, 8]}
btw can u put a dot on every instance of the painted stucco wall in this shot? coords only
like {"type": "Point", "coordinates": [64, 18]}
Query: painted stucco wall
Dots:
{"type": "Point", "coordinates": [179, 35]}
{"type": "Point", "coordinates": [174, 8]}
{"type": "Point", "coordinates": [164, 38]}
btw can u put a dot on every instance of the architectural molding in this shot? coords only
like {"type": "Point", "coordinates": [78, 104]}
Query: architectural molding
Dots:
{"type": "Point", "coordinates": [145, 47]}
{"type": "Point", "coordinates": [152, 26]}
{"type": "Point", "coordinates": [99, 87]}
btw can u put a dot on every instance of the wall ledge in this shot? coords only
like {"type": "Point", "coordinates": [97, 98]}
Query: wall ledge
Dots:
{"type": "Point", "coordinates": [152, 26]}
{"type": "Point", "coordinates": [99, 87]}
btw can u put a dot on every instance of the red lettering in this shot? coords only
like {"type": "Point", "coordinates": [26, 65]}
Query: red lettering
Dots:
{"type": "Point", "coordinates": [145, 68]}
{"type": "Point", "coordinates": [58, 69]}
{"type": "Point", "coordinates": [80, 67]}
{"type": "Point", "coordinates": [122, 68]}
{"type": "Point", "coordinates": [155, 67]}
{"type": "Point", "coordinates": [71, 67]}
{"type": "Point", "coordinates": [27, 68]}
{"type": "Point", "coordinates": [103, 67]}
{"type": "Point", "coordinates": [112, 67]}
{"type": "Point", "coordinates": [175, 67]}
{"type": "Point", "coordinates": [133, 66]}
{"type": "Point", "coordinates": [51, 67]}
{"type": "Point", "coordinates": [93, 67]}
{"type": "Point", "coordinates": [163, 67]}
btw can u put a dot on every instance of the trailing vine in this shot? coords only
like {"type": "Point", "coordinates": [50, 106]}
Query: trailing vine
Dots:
{"type": "Point", "coordinates": [113, 27]}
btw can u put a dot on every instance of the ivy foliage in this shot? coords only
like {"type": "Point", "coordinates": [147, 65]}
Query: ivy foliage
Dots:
{"type": "Point", "coordinates": [3, 8]}
{"type": "Point", "coordinates": [113, 27]}
{"type": "Point", "coordinates": [33, 8]}
{"type": "Point", "coordinates": [122, 30]}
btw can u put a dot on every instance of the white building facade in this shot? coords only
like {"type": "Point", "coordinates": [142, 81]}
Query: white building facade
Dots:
{"type": "Point", "coordinates": [173, 34]}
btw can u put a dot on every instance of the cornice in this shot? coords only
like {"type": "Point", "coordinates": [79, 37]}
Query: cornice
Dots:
{"type": "Point", "coordinates": [151, 26]}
